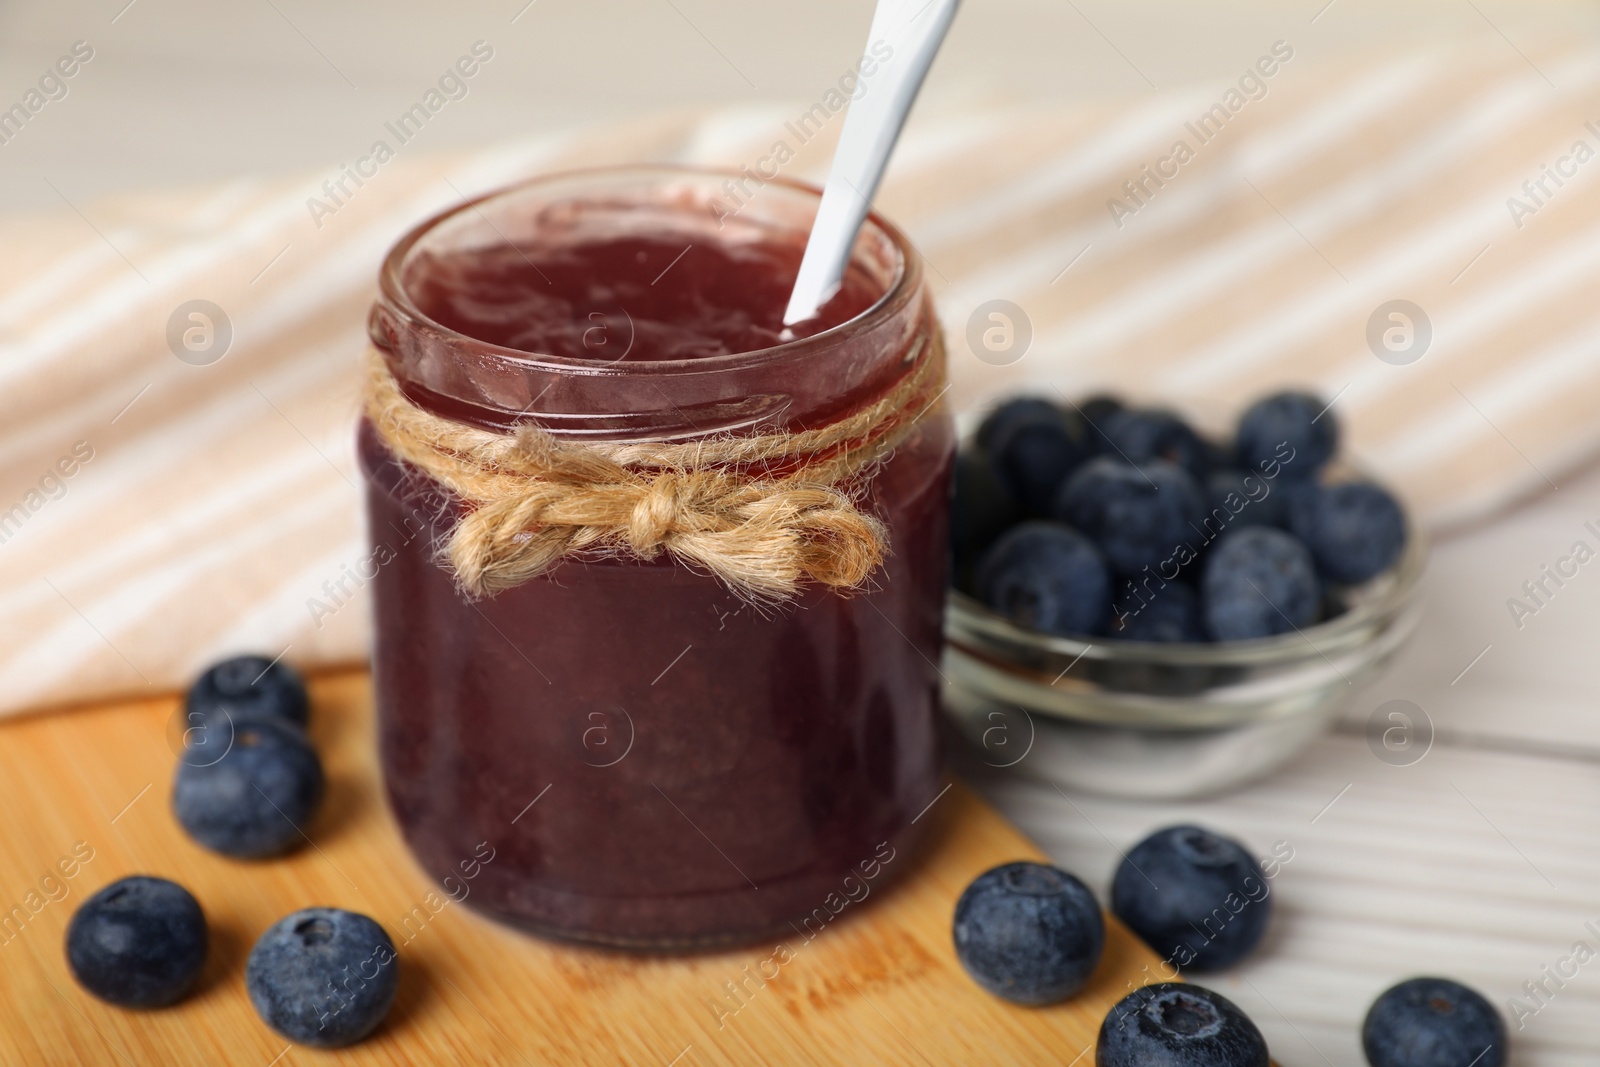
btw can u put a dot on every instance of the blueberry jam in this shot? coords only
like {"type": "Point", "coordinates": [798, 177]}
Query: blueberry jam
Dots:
{"type": "Point", "coordinates": [636, 297]}
{"type": "Point", "coordinates": [651, 760]}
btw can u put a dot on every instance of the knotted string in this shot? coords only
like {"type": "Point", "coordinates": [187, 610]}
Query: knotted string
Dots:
{"type": "Point", "coordinates": [531, 498]}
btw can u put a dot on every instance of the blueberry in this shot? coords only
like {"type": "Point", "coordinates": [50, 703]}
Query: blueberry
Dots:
{"type": "Point", "coordinates": [1433, 1022]}
{"type": "Point", "coordinates": [1033, 454]}
{"type": "Point", "coordinates": [252, 801]}
{"type": "Point", "coordinates": [1139, 515]}
{"type": "Point", "coordinates": [1293, 432]}
{"type": "Point", "coordinates": [1046, 577]}
{"type": "Point", "coordinates": [1099, 408]}
{"type": "Point", "coordinates": [1242, 498]}
{"type": "Point", "coordinates": [1169, 1024]}
{"type": "Point", "coordinates": [1139, 435]}
{"type": "Point", "coordinates": [140, 942]}
{"type": "Point", "coordinates": [1016, 409]}
{"type": "Point", "coordinates": [249, 687]}
{"type": "Point", "coordinates": [1258, 582]}
{"type": "Point", "coordinates": [1029, 932]}
{"type": "Point", "coordinates": [1220, 455]}
{"type": "Point", "coordinates": [1167, 614]}
{"type": "Point", "coordinates": [980, 511]}
{"type": "Point", "coordinates": [1354, 530]}
{"type": "Point", "coordinates": [1095, 411]}
{"type": "Point", "coordinates": [323, 976]}
{"type": "Point", "coordinates": [1197, 898]}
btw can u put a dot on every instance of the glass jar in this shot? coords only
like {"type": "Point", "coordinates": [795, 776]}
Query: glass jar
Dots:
{"type": "Point", "coordinates": [648, 759]}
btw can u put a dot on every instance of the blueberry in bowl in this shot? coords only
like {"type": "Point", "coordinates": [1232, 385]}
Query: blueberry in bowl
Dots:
{"type": "Point", "coordinates": [1047, 577]}
{"type": "Point", "coordinates": [1258, 582]}
{"type": "Point", "coordinates": [1140, 435]}
{"type": "Point", "coordinates": [1009, 413]}
{"type": "Point", "coordinates": [1257, 504]}
{"type": "Point", "coordinates": [980, 511]}
{"type": "Point", "coordinates": [1096, 411]}
{"type": "Point", "coordinates": [1245, 607]}
{"type": "Point", "coordinates": [1354, 530]}
{"type": "Point", "coordinates": [1140, 514]}
{"type": "Point", "coordinates": [1295, 428]}
{"type": "Point", "coordinates": [1171, 618]}
{"type": "Point", "coordinates": [1034, 450]}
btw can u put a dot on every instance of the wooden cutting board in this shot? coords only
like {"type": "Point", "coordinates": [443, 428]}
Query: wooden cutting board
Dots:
{"type": "Point", "coordinates": [86, 792]}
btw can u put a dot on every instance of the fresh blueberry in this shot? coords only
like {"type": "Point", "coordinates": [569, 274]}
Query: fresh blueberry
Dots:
{"type": "Point", "coordinates": [1293, 432]}
{"type": "Point", "coordinates": [1046, 577]}
{"type": "Point", "coordinates": [1139, 515]}
{"type": "Point", "coordinates": [1029, 932]}
{"type": "Point", "coordinates": [249, 687]}
{"type": "Point", "coordinates": [1170, 1024]}
{"type": "Point", "coordinates": [140, 942]}
{"type": "Point", "coordinates": [1242, 498]}
{"type": "Point", "coordinates": [980, 511]}
{"type": "Point", "coordinates": [323, 976]}
{"type": "Point", "coordinates": [1099, 407]}
{"type": "Point", "coordinates": [1433, 1022]}
{"type": "Point", "coordinates": [1258, 582]}
{"type": "Point", "coordinates": [1033, 454]}
{"type": "Point", "coordinates": [1017, 409]}
{"type": "Point", "coordinates": [1220, 455]}
{"type": "Point", "coordinates": [1095, 411]}
{"type": "Point", "coordinates": [1354, 530]}
{"type": "Point", "coordinates": [1167, 614]}
{"type": "Point", "coordinates": [252, 801]}
{"type": "Point", "coordinates": [1139, 435]}
{"type": "Point", "coordinates": [1197, 898]}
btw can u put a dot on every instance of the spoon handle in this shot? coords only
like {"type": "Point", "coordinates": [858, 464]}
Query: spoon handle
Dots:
{"type": "Point", "coordinates": [913, 31]}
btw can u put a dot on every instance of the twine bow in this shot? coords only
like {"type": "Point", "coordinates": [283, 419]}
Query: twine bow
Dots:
{"type": "Point", "coordinates": [531, 499]}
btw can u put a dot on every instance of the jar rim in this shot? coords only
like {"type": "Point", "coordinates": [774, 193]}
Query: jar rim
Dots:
{"type": "Point", "coordinates": [396, 301]}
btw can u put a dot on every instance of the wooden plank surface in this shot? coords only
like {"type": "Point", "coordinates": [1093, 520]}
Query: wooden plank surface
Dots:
{"type": "Point", "coordinates": [879, 985]}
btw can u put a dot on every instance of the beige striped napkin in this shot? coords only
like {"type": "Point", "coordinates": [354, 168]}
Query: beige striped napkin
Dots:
{"type": "Point", "coordinates": [155, 513]}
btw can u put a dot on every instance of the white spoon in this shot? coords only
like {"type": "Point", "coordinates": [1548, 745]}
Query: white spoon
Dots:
{"type": "Point", "coordinates": [913, 30]}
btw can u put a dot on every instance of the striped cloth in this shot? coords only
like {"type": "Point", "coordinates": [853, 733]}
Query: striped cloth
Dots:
{"type": "Point", "coordinates": [157, 514]}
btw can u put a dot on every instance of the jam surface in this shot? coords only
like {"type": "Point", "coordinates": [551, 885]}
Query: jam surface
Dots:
{"type": "Point", "coordinates": [655, 762]}
{"type": "Point", "coordinates": [633, 297]}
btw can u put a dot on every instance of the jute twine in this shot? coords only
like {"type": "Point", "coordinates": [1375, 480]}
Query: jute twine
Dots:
{"type": "Point", "coordinates": [531, 499]}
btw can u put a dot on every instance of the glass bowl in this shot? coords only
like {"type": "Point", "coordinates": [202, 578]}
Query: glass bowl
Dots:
{"type": "Point", "coordinates": [1168, 721]}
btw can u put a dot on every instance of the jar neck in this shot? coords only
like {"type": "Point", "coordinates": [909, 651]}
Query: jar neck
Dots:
{"type": "Point", "coordinates": [795, 386]}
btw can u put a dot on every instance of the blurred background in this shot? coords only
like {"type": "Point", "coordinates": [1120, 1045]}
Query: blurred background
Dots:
{"type": "Point", "coordinates": [182, 91]}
